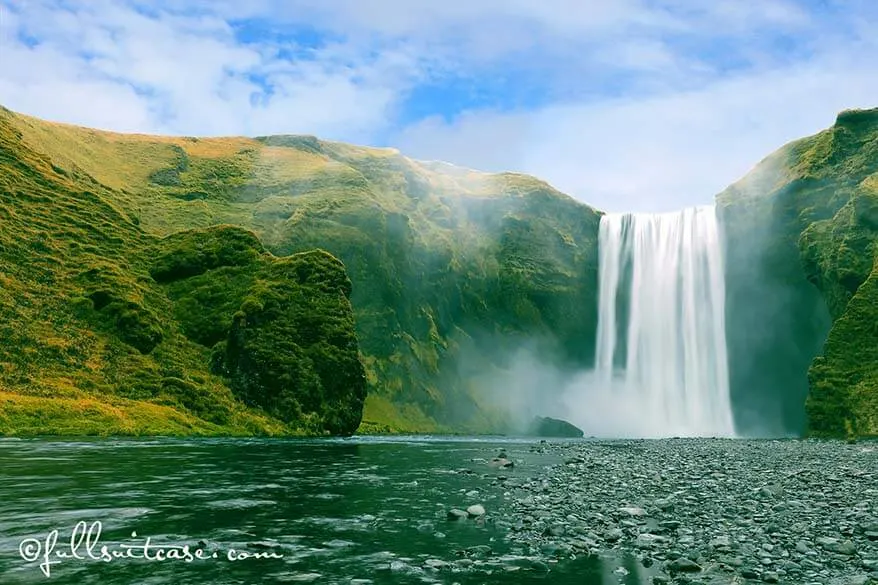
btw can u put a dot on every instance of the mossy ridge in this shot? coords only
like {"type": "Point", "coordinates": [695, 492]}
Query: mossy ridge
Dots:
{"type": "Point", "coordinates": [437, 254]}
{"type": "Point", "coordinates": [89, 338]}
{"type": "Point", "coordinates": [811, 210]}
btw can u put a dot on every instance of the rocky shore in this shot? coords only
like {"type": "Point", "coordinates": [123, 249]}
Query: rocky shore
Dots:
{"type": "Point", "coordinates": [701, 511]}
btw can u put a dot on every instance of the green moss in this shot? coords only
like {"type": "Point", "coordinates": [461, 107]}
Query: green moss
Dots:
{"type": "Point", "coordinates": [195, 252]}
{"type": "Point", "coordinates": [844, 381]}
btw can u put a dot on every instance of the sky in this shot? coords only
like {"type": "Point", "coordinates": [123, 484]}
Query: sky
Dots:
{"type": "Point", "coordinates": [628, 105]}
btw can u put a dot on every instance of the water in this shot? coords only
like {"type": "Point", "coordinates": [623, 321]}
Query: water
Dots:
{"type": "Point", "coordinates": [661, 341]}
{"type": "Point", "coordinates": [336, 510]}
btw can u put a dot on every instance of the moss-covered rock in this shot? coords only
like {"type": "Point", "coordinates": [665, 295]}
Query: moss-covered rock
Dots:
{"type": "Point", "coordinates": [281, 330]}
{"type": "Point", "coordinates": [195, 252]}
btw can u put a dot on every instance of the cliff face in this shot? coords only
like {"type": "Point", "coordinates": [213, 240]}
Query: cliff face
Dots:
{"type": "Point", "coordinates": [800, 236]}
{"type": "Point", "coordinates": [107, 329]}
{"type": "Point", "coordinates": [452, 270]}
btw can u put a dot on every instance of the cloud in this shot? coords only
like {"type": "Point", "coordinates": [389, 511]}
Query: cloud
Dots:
{"type": "Point", "coordinates": [110, 65]}
{"type": "Point", "coordinates": [628, 105]}
{"type": "Point", "coordinates": [653, 154]}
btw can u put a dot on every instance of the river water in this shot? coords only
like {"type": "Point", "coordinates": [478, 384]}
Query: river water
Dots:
{"type": "Point", "coordinates": [360, 510]}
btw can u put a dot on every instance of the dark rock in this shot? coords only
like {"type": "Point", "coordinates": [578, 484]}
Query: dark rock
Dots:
{"type": "Point", "coordinates": [501, 463]}
{"type": "Point", "coordinates": [553, 427]}
{"type": "Point", "coordinates": [684, 565]}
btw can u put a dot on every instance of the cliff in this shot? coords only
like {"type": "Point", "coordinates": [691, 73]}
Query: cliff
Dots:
{"type": "Point", "coordinates": [800, 236]}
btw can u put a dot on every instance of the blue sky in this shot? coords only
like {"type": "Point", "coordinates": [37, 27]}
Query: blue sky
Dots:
{"type": "Point", "coordinates": [643, 105]}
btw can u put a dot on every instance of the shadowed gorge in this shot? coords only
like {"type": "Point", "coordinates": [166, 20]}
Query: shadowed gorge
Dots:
{"type": "Point", "coordinates": [286, 284]}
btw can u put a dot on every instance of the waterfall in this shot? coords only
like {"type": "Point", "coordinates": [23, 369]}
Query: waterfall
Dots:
{"type": "Point", "coordinates": [661, 322]}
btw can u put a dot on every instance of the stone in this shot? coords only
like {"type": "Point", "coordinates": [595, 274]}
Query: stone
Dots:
{"type": "Point", "coordinates": [476, 510]}
{"type": "Point", "coordinates": [684, 565]}
{"type": "Point", "coordinates": [455, 514]}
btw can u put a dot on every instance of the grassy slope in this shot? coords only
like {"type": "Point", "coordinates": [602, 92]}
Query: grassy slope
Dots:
{"type": "Point", "coordinates": [445, 262]}
{"type": "Point", "coordinates": [812, 209]}
{"type": "Point", "coordinates": [89, 342]}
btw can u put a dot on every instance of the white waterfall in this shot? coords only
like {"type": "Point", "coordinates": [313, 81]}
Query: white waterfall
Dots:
{"type": "Point", "coordinates": [661, 323]}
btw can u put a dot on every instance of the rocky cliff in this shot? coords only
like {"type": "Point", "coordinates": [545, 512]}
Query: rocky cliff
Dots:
{"type": "Point", "coordinates": [800, 237]}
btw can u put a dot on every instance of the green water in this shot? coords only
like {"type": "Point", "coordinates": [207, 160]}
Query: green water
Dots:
{"type": "Point", "coordinates": [362, 510]}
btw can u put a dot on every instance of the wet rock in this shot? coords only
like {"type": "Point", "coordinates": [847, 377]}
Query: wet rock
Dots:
{"type": "Point", "coordinates": [553, 427]}
{"type": "Point", "coordinates": [683, 565]}
{"type": "Point", "coordinates": [706, 502]}
{"type": "Point", "coordinates": [435, 563]}
{"type": "Point", "coordinates": [455, 514]}
{"type": "Point", "coordinates": [501, 463]}
{"type": "Point", "coordinates": [475, 510]}
{"type": "Point", "coordinates": [647, 540]}
{"type": "Point", "coordinates": [480, 550]}
{"type": "Point", "coordinates": [720, 542]}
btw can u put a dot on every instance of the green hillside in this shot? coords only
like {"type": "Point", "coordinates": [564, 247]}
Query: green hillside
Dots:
{"type": "Point", "coordinates": [801, 234]}
{"type": "Point", "coordinates": [451, 268]}
{"type": "Point", "coordinates": [99, 335]}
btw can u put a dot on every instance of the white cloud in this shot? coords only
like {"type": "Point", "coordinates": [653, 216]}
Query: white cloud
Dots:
{"type": "Point", "coordinates": [704, 94]}
{"type": "Point", "coordinates": [107, 65]}
{"type": "Point", "coordinates": [658, 153]}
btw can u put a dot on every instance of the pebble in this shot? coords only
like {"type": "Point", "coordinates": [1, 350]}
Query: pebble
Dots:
{"type": "Point", "coordinates": [696, 510]}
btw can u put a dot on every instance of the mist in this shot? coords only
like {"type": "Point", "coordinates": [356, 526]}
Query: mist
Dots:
{"type": "Point", "coordinates": [777, 321]}
{"type": "Point", "coordinates": [531, 385]}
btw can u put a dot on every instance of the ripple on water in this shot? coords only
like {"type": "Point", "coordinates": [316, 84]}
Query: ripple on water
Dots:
{"type": "Point", "coordinates": [296, 577]}
{"type": "Point", "coordinates": [328, 496]}
{"type": "Point", "coordinates": [339, 524]}
{"type": "Point", "coordinates": [239, 504]}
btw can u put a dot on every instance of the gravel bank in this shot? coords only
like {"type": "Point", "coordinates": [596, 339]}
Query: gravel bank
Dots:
{"type": "Point", "coordinates": [704, 511]}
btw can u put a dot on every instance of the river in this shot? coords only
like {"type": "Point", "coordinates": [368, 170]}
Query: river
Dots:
{"type": "Point", "coordinates": [360, 510]}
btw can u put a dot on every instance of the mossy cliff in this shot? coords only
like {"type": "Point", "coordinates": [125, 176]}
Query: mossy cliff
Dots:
{"type": "Point", "coordinates": [107, 329]}
{"type": "Point", "coordinates": [451, 269]}
{"type": "Point", "coordinates": [801, 232]}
